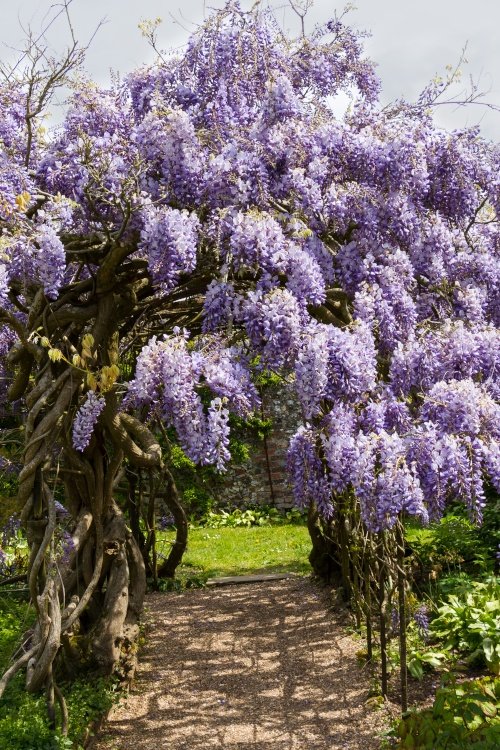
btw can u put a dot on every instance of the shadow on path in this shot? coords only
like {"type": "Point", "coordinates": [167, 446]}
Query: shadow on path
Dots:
{"type": "Point", "coordinates": [259, 666]}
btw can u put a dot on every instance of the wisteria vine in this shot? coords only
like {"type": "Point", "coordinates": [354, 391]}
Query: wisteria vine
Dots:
{"type": "Point", "coordinates": [211, 216]}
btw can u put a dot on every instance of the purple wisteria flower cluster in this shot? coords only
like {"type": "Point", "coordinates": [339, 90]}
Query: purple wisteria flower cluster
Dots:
{"type": "Point", "coordinates": [358, 254]}
{"type": "Point", "coordinates": [170, 378]}
{"type": "Point", "coordinates": [10, 529]}
{"type": "Point", "coordinates": [86, 419]}
{"type": "Point", "coordinates": [169, 237]}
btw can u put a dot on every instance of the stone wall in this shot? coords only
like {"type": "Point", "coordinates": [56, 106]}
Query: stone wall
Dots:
{"type": "Point", "coordinates": [263, 478]}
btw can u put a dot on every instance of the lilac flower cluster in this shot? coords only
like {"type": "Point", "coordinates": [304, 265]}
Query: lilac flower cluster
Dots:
{"type": "Point", "coordinates": [183, 161]}
{"type": "Point", "coordinates": [86, 419]}
{"type": "Point", "coordinates": [218, 431]}
{"type": "Point", "coordinates": [61, 511]}
{"type": "Point", "coordinates": [219, 305]}
{"type": "Point", "coordinates": [273, 323]}
{"type": "Point", "coordinates": [10, 529]}
{"type": "Point", "coordinates": [166, 521]}
{"type": "Point", "coordinates": [282, 101]}
{"type": "Point", "coordinates": [462, 407]}
{"type": "Point", "coordinates": [67, 545]}
{"type": "Point", "coordinates": [311, 369]}
{"type": "Point", "coordinates": [51, 260]}
{"type": "Point", "coordinates": [340, 446]}
{"type": "Point", "coordinates": [335, 363]}
{"type": "Point", "coordinates": [92, 159]}
{"type": "Point", "coordinates": [258, 242]}
{"type": "Point", "coordinates": [227, 374]}
{"type": "Point", "coordinates": [451, 351]}
{"type": "Point", "coordinates": [304, 277]}
{"type": "Point", "coordinates": [4, 284]}
{"type": "Point", "coordinates": [394, 463]}
{"type": "Point", "coordinates": [374, 466]}
{"type": "Point", "coordinates": [383, 297]}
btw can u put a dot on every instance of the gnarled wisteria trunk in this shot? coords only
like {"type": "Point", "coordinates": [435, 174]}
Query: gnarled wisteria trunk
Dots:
{"type": "Point", "coordinates": [88, 593]}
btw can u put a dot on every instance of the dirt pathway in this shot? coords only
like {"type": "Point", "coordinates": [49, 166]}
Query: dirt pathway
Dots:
{"type": "Point", "coordinates": [260, 666]}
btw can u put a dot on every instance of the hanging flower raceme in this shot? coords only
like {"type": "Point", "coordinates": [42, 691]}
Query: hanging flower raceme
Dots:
{"type": "Point", "coordinates": [454, 350]}
{"type": "Point", "coordinates": [227, 374]}
{"type": "Point", "coordinates": [218, 431]}
{"type": "Point", "coordinates": [170, 378]}
{"type": "Point", "coordinates": [374, 466]}
{"type": "Point", "coordinates": [334, 363]}
{"type": "Point", "coordinates": [50, 260]}
{"type": "Point", "coordinates": [4, 284]}
{"type": "Point", "coordinates": [86, 419]}
{"type": "Point", "coordinates": [219, 305]}
{"type": "Point", "coordinates": [456, 446]}
{"type": "Point", "coordinates": [304, 276]}
{"type": "Point", "coordinates": [339, 444]}
{"type": "Point", "coordinates": [308, 475]}
{"type": "Point", "coordinates": [274, 322]}
{"type": "Point", "coordinates": [169, 239]}
{"type": "Point", "coordinates": [257, 242]}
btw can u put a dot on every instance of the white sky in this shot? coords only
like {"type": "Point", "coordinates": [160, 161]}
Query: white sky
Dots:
{"type": "Point", "coordinates": [411, 41]}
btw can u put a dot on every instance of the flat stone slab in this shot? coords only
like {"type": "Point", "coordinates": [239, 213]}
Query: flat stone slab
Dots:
{"type": "Point", "coordinates": [258, 578]}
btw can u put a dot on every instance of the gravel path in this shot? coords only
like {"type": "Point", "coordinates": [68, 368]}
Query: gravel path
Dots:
{"type": "Point", "coordinates": [263, 666]}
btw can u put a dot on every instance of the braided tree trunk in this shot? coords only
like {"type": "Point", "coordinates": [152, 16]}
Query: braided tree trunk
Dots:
{"type": "Point", "coordinates": [88, 601]}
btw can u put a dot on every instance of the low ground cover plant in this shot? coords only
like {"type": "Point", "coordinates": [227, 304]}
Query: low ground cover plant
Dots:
{"type": "Point", "coordinates": [250, 516]}
{"type": "Point", "coordinates": [468, 624]}
{"type": "Point", "coordinates": [465, 715]}
{"type": "Point", "coordinates": [454, 562]}
{"type": "Point", "coordinates": [23, 717]}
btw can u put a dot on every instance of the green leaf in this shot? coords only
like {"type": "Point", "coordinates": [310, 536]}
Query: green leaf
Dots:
{"type": "Point", "coordinates": [415, 669]}
{"type": "Point", "coordinates": [439, 703]}
{"type": "Point", "coordinates": [488, 648]}
{"type": "Point", "coordinates": [489, 710]}
{"type": "Point", "coordinates": [434, 658]}
{"type": "Point", "coordinates": [474, 710]}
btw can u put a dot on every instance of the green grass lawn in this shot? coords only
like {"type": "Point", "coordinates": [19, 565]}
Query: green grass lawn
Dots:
{"type": "Point", "coordinates": [243, 551]}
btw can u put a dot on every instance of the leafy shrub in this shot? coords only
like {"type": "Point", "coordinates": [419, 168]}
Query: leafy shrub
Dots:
{"type": "Point", "coordinates": [420, 659]}
{"type": "Point", "coordinates": [458, 582]}
{"type": "Point", "coordinates": [24, 726]}
{"type": "Point", "coordinates": [254, 516]}
{"type": "Point", "coordinates": [465, 715]}
{"type": "Point", "coordinates": [470, 623]}
{"type": "Point", "coordinates": [15, 617]}
{"type": "Point", "coordinates": [13, 549]}
{"type": "Point", "coordinates": [23, 717]}
{"type": "Point", "coordinates": [489, 531]}
{"type": "Point", "coordinates": [450, 544]}
{"type": "Point", "coordinates": [182, 582]}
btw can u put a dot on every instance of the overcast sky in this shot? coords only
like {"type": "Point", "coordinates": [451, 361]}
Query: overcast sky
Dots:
{"type": "Point", "coordinates": [411, 41]}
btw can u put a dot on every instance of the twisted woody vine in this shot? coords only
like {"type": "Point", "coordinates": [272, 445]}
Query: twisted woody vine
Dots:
{"type": "Point", "coordinates": [210, 217]}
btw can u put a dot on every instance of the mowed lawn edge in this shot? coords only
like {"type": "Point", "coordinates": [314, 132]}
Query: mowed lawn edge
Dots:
{"type": "Point", "coordinates": [243, 551]}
